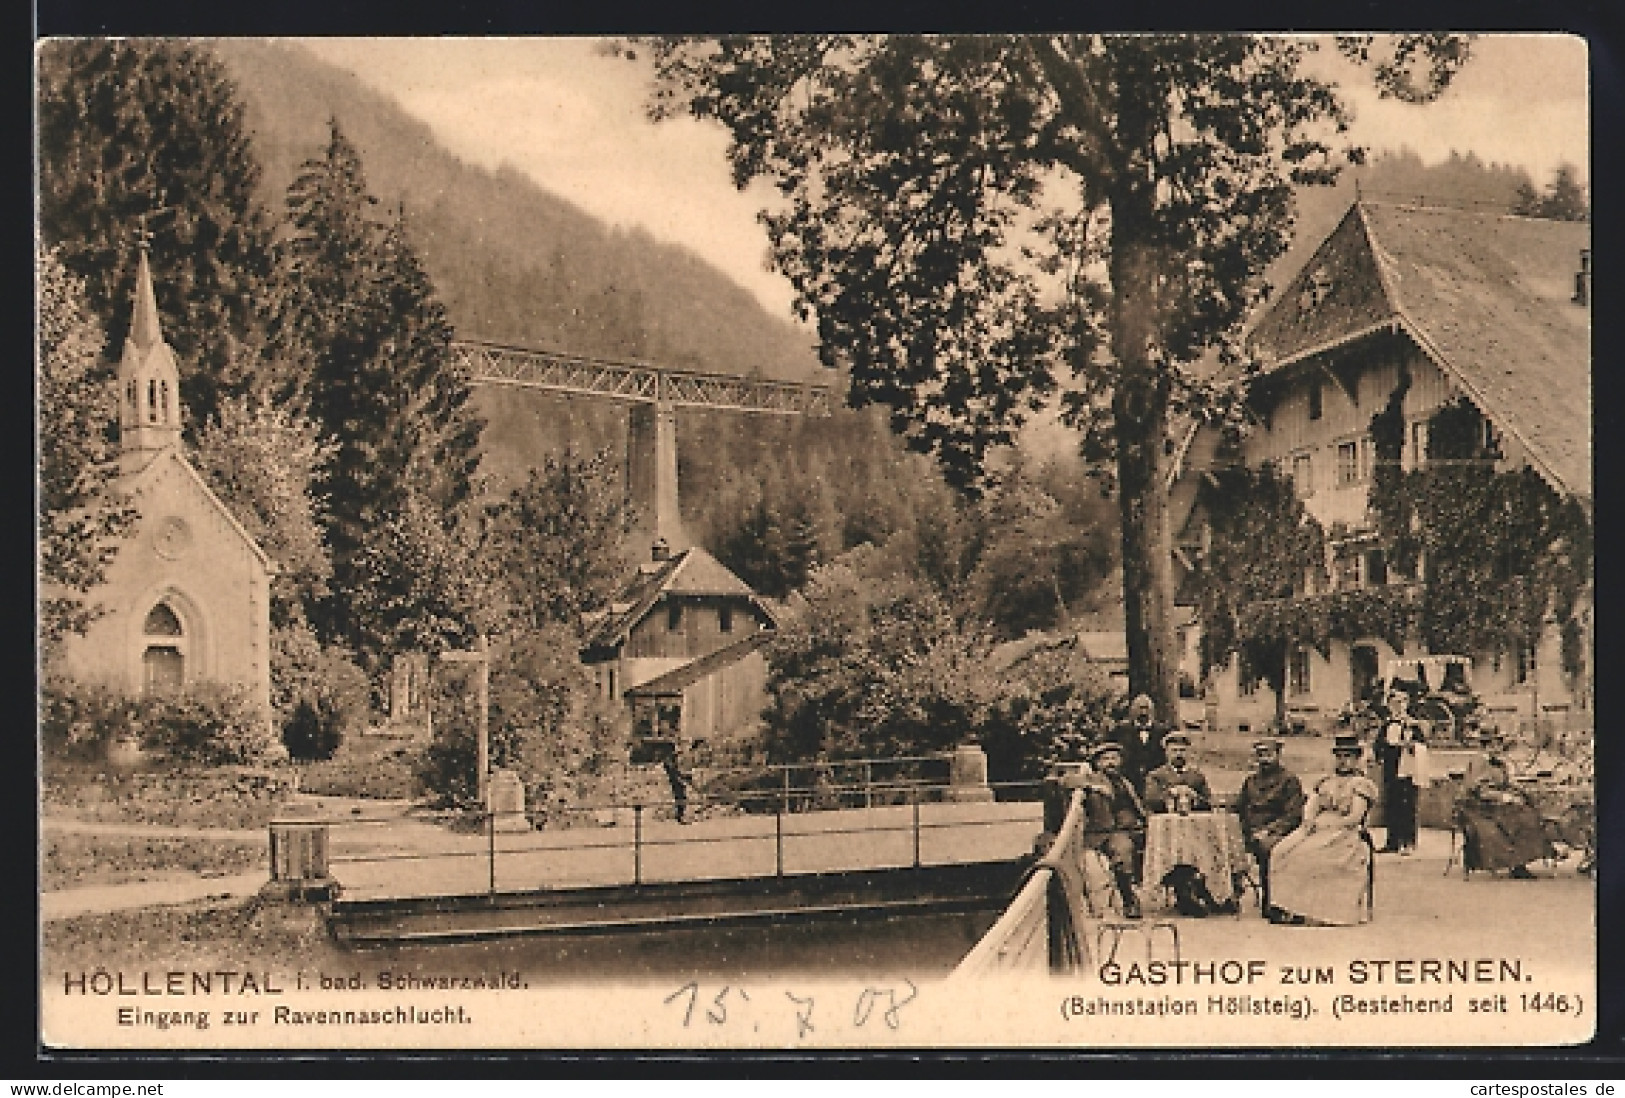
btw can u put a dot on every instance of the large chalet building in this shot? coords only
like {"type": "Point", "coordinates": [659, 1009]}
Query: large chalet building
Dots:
{"type": "Point", "coordinates": [1493, 309]}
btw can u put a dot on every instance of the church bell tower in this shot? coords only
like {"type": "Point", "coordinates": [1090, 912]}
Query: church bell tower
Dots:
{"type": "Point", "coordinates": [149, 416]}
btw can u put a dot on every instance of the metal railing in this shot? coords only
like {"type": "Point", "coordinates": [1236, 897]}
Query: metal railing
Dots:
{"type": "Point", "coordinates": [500, 364]}
{"type": "Point", "coordinates": [467, 853]}
{"type": "Point", "coordinates": [1047, 925]}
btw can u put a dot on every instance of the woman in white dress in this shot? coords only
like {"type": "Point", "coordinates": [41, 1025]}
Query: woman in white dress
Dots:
{"type": "Point", "coordinates": [1319, 873]}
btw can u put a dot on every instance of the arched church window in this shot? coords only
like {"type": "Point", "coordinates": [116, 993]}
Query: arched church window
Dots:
{"type": "Point", "coordinates": [129, 392]}
{"type": "Point", "coordinates": [162, 622]}
{"type": "Point", "coordinates": [152, 401]}
{"type": "Point", "coordinates": [163, 401]}
{"type": "Point", "coordinates": [163, 656]}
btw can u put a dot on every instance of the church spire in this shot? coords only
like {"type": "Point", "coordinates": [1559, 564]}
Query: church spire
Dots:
{"type": "Point", "coordinates": [149, 384]}
{"type": "Point", "coordinates": [144, 328]}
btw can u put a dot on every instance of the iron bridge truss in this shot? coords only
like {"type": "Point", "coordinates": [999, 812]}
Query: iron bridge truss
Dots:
{"type": "Point", "coordinates": [498, 364]}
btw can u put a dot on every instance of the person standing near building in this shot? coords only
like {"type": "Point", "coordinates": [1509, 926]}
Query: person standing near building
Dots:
{"type": "Point", "coordinates": [679, 785]}
{"type": "Point", "coordinates": [1402, 751]}
{"type": "Point", "coordinates": [1140, 737]}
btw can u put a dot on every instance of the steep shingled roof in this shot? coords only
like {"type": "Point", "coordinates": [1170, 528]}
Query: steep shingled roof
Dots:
{"type": "Point", "coordinates": [692, 572]}
{"type": "Point", "coordinates": [1488, 297]}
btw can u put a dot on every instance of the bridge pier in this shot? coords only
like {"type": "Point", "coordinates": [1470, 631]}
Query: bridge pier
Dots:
{"type": "Point", "coordinates": [651, 470]}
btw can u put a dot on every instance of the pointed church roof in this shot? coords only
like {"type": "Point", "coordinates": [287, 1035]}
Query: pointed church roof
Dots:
{"type": "Point", "coordinates": [145, 330]}
{"type": "Point", "coordinates": [1487, 297]}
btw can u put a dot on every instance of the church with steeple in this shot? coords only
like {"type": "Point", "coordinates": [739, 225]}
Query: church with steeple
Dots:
{"type": "Point", "coordinates": [187, 597]}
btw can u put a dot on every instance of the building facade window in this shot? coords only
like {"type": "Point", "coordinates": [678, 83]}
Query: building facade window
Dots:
{"type": "Point", "coordinates": [1298, 671]}
{"type": "Point", "coordinates": [1524, 661]}
{"type": "Point", "coordinates": [1316, 408]}
{"type": "Point", "coordinates": [1376, 568]}
{"type": "Point", "coordinates": [674, 616]}
{"type": "Point", "coordinates": [1348, 463]}
{"type": "Point", "coordinates": [1303, 474]}
{"type": "Point", "coordinates": [1419, 443]}
{"type": "Point", "coordinates": [725, 619]}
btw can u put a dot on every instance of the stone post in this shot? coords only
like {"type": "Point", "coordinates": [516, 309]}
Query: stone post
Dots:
{"type": "Point", "coordinates": [967, 775]}
{"type": "Point", "coordinates": [507, 801]}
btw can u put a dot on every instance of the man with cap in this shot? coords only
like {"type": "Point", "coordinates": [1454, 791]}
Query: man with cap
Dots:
{"type": "Point", "coordinates": [1140, 737]}
{"type": "Point", "coordinates": [1114, 820]}
{"type": "Point", "coordinates": [1270, 805]}
{"type": "Point", "coordinates": [1176, 786]}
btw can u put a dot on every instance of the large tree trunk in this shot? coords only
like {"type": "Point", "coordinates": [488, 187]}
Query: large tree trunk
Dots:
{"type": "Point", "coordinates": [1140, 409]}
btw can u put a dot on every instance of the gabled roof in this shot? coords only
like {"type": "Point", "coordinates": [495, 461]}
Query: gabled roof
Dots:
{"type": "Point", "coordinates": [692, 572]}
{"type": "Point", "coordinates": [130, 480]}
{"type": "Point", "coordinates": [1487, 297]}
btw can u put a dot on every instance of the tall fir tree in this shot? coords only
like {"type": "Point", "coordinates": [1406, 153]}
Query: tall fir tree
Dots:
{"type": "Point", "coordinates": [149, 134]}
{"type": "Point", "coordinates": [81, 517]}
{"type": "Point", "coordinates": [373, 345]}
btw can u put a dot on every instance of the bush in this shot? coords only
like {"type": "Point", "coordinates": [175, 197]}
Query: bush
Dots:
{"type": "Point", "coordinates": [208, 724]}
{"type": "Point", "coordinates": [320, 695]}
{"type": "Point", "coordinates": [77, 720]}
{"type": "Point", "coordinates": [365, 766]}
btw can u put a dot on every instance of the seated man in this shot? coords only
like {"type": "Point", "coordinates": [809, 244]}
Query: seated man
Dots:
{"type": "Point", "coordinates": [1114, 821]}
{"type": "Point", "coordinates": [1501, 829]}
{"type": "Point", "coordinates": [1270, 805]}
{"type": "Point", "coordinates": [1176, 786]}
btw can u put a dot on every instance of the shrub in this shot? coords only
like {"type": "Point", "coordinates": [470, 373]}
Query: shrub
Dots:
{"type": "Point", "coordinates": [78, 719]}
{"type": "Point", "coordinates": [319, 694]}
{"type": "Point", "coordinates": [206, 723]}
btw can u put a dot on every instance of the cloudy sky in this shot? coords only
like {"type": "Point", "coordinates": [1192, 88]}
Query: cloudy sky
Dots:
{"type": "Point", "coordinates": [573, 120]}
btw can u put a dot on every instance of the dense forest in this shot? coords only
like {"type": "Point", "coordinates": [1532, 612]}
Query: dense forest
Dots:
{"type": "Point", "coordinates": [511, 261]}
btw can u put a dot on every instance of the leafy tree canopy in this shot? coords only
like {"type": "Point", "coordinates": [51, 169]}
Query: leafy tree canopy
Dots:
{"type": "Point", "coordinates": [81, 518]}
{"type": "Point", "coordinates": [980, 223]}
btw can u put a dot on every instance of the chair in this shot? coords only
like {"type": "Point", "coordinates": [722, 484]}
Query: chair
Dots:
{"type": "Point", "coordinates": [1103, 899]}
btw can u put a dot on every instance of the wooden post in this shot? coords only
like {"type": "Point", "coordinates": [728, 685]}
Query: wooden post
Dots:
{"type": "Point", "coordinates": [778, 843]}
{"type": "Point", "coordinates": [916, 791]}
{"type": "Point", "coordinates": [637, 844]}
{"type": "Point", "coordinates": [482, 698]}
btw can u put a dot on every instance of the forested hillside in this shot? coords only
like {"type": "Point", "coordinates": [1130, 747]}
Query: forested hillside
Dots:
{"type": "Point", "coordinates": [510, 261]}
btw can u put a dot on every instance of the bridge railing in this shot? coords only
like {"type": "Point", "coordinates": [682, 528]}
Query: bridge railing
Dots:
{"type": "Point", "coordinates": [495, 363]}
{"type": "Point", "coordinates": [620, 842]}
{"type": "Point", "coordinates": [1047, 926]}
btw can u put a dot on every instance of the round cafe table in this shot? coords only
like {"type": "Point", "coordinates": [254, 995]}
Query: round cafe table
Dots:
{"type": "Point", "coordinates": [1209, 842]}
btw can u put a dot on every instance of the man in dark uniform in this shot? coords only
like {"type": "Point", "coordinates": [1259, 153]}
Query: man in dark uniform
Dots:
{"type": "Point", "coordinates": [1114, 821]}
{"type": "Point", "coordinates": [1140, 737]}
{"type": "Point", "coordinates": [1270, 805]}
{"type": "Point", "coordinates": [1176, 786]}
